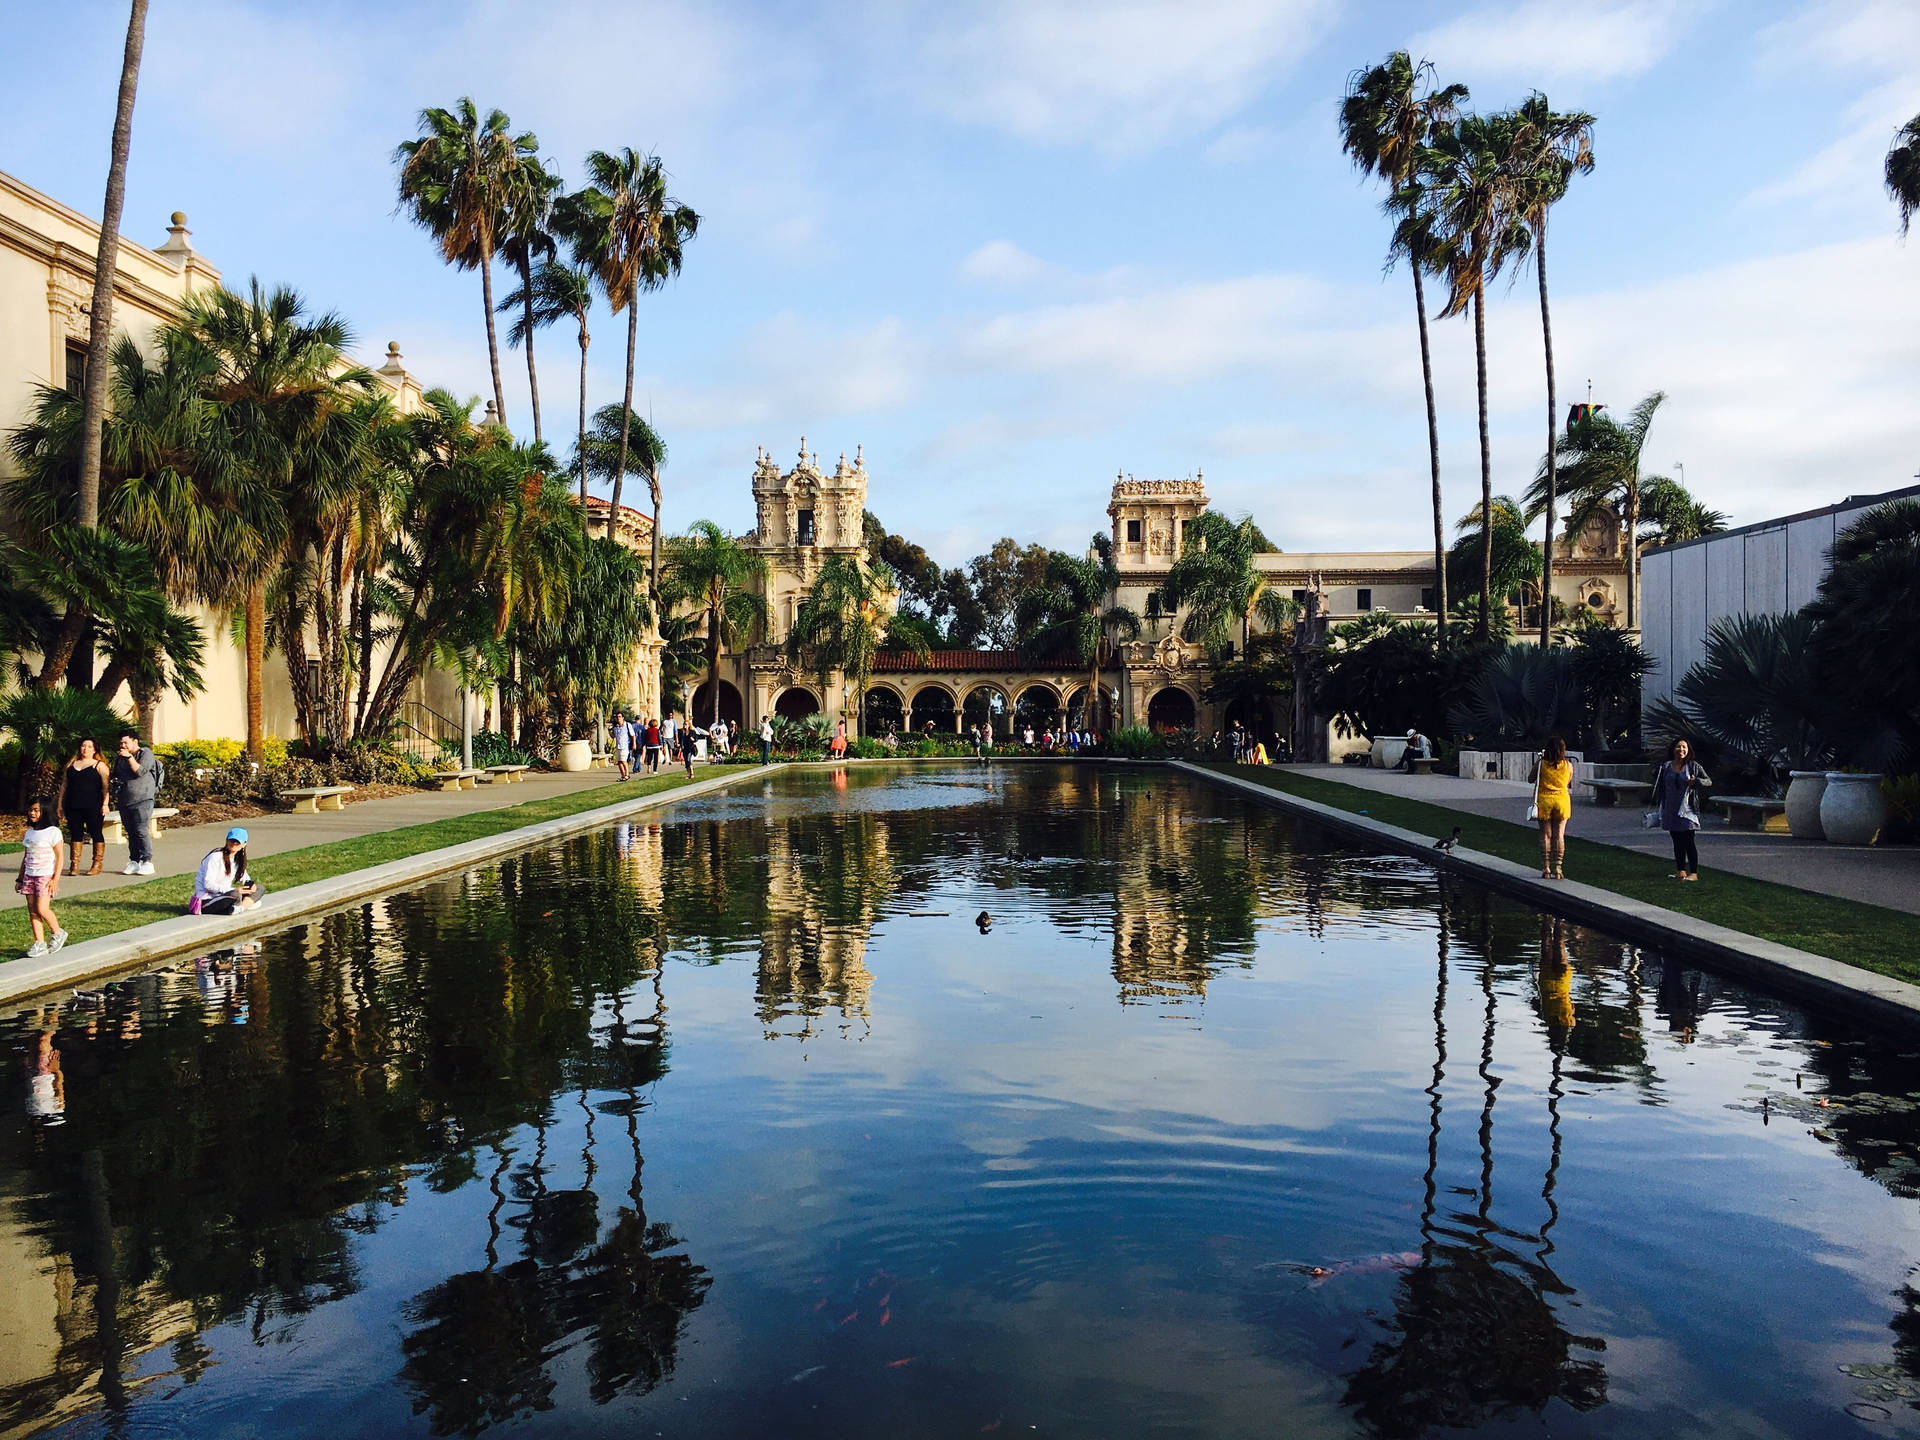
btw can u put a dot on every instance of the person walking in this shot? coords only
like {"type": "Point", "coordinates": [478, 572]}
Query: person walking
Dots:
{"type": "Point", "coordinates": [1677, 806]}
{"type": "Point", "coordinates": [82, 802]}
{"type": "Point", "coordinates": [1552, 804]}
{"type": "Point", "coordinates": [136, 778]}
{"type": "Point", "coordinates": [983, 743]}
{"type": "Point", "coordinates": [688, 744]}
{"type": "Point", "coordinates": [39, 879]}
{"type": "Point", "coordinates": [652, 747]}
{"type": "Point", "coordinates": [622, 741]}
{"type": "Point", "coordinates": [222, 884]}
{"type": "Point", "coordinates": [766, 740]}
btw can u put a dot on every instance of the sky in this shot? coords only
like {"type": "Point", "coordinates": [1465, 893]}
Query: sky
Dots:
{"type": "Point", "coordinates": [1017, 247]}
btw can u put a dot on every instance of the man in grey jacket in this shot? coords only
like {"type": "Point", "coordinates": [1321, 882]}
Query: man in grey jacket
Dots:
{"type": "Point", "coordinates": [136, 784]}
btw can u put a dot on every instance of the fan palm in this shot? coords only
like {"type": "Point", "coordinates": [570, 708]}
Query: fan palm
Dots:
{"type": "Point", "coordinates": [89, 572]}
{"type": "Point", "coordinates": [845, 618]}
{"type": "Point", "coordinates": [1548, 151]}
{"type": "Point", "coordinates": [631, 233]}
{"type": "Point", "coordinates": [1867, 649]}
{"type": "Point", "coordinates": [50, 724]}
{"type": "Point", "coordinates": [600, 455]}
{"type": "Point", "coordinates": [528, 240]}
{"type": "Point", "coordinates": [458, 180]}
{"type": "Point", "coordinates": [1220, 585]}
{"type": "Point", "coordinates": [1602, 475]}
{"type": "Point", "coordinates": [168, 656]}
{"type": "Point", "coordinates": [1903, 171]}
{"type": "Point", "coordinates": [721, 579]}
{"type": "Point", "coordinates": [1069, 614]}
{"type": "Point", "coordinates": [1387, 115]}
{"type": "Point", "coordinates": [1468, 195]}
{"type": "Point", "coordinates": [1673, 515]}
{"type": "Point", "coordinates": [1757, 692]}
{"type": "Point", "coordinates": [556, 292]}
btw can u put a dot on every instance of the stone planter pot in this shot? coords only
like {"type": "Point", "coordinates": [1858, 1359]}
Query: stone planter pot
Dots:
{"type": "Point", "coordinates": [1387, 752]}
{"type": "Point", "coordinates": [575, 755]}
{"type": "Point", "coordinates": [1805, 789]}
{"type": "Point", "coordinates": [1852, 810]}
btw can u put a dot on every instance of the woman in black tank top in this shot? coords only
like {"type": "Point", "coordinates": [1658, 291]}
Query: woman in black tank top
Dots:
{"type": "Point", "coordinates": [83, 803]}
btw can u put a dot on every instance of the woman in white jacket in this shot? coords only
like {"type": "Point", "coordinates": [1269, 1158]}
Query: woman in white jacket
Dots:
{"type": "Point", "coordinates": [222, 884]}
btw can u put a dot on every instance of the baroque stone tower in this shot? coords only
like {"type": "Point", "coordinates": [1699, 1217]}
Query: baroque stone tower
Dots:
{"type": "Point", "coordinates": [1149, 518]}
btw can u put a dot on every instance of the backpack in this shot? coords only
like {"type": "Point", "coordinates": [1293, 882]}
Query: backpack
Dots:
{"type": "Point", "coordinates": [159, 774]}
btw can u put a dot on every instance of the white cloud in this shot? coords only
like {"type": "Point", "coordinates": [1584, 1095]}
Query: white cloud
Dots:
{"type": "Point", "coordinates": [1121, 76]}
{"type": "Point", "coordinates": [1546, 40]}
{"type": "Point", "coordinates": [1001, 262]}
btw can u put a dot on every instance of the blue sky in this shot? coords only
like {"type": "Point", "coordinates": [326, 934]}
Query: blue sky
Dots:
{"type": "Point", "coordinates": [1015, 248]}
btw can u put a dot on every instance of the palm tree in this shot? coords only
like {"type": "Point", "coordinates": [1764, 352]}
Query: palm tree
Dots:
{"type": "Point", "coordinates": [528, 238]}
{"type": "Point", "coordinates": [601, 452]}
{"type": "Point", "coordinates": [1385, 119]}
{"type": "Point", "coordinates": [1672, 514]}
{"type": "Point", "coordinates": [1219, 583]}
{"type": "Point", "coordinates": [722, 579]}
{"type": "Point", "coordinates": [106, 263]}
{"type": "Point", "coordinates": [1068, 614]}
{"type": "Point", "coordinates": [845, 619]}
{"type": "Point", "coordinates": [556, 292]}
{"type": "Point", "coordinates": [1469, 195]}
{"type": "Point", "coordinates": [631, 233]}
{"type": "Point", "coordinates": [1602, 473]}
{"type": "Point", "coordinates": [1548, 150]}
{"type": "Point", "coordinates": [1903, 171]}
{"type": "Point", "coordinates": [459, 180]}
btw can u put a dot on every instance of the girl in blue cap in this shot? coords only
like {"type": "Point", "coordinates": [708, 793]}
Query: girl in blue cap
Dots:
{"type": "Point", "coordinates": [223, 885]}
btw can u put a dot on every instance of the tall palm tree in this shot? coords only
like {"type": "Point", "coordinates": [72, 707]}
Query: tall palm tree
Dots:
{"type": "Point", "coordinates": [1548, 151]}
{"type": "Point", "coordinates": [458, 180]}
{"type": "Point", "coordinates": [106, 262]}
{"type": "Point", "coordinates": [844, 620]}
{"type": "Point", "coordinates": [1903, 171]}
{"type": "Point", "coordinates": [1672, 515]}
{"type": "Point", "coordinates": [1470, 197]}
{"type": "Point", "coordinates": [722, 579]}
{"type": "Point", "coordinates": [1070, 614]}
{"type": "Point", "coordinates": [631, 233]}
{"type": "Point", "coordinates": [276, 376]}
{"type": "Point", "coordinates": [526, 241]}
{"type": "Point", "coordinates": [1602, 473]}
{"type": "Point", "coordinates": [1388, 114]}
{"type": "Point", "coordinates": [556, 292]}
{"type": "Point", "coordinates": [1220, 585]}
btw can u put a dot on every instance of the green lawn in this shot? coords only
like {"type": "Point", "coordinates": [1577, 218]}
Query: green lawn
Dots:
{"type": "Point", "coordinates": [127, 906]}
{"type": "Point", "coordinates": [1874, 938]}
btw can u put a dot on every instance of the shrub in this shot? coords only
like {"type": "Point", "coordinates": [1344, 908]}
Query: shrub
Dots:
{"type": "Point", "coordinates": [1903, 808]}
{"type": "Point", "coordinates": [1136, 742]}
{"type": "Point", "coordinates": [50, 724]}
{"type": "Point", "coordinates": [490, 747]}
{"type": "Point", "coordinates": [1519, 698]}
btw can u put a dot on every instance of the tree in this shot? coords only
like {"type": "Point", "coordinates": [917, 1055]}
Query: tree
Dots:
{"type": "Point", "coordinates": [1386, 118]}
{"type": "Point", "coordinates": [556, 292]}
{"type": "Point", "coordinates": [105, 264]}
{"type": "Point", "coordinates": [527, 240]}
{"type": "Point", "coordinates": [50, 724]}
{"type": "Point", "coordinates": [845, 619]}
{"type": "Point", "coordinates": [1866, 651]}
{"type": "Point", "coordinates": [1070, 615]}
{"type": "Point", "coordinates": [1609, 666]}
{"type": "Point", "coordinates": [89, 572]}
{"type": "Point", "coordinates": [1669, 514]}
{"type": "Point", "coordinates": [1519, 697]}
{"type": "Point", "coordinates": [1218, 583]}
{"type": "Point", "coordinates": [1515, 561]}
{"type": "Point", "coordinates": [1602, 473]}
{"type": "Point", "coordinates": [1468, 195]}
{"type": "Point", "coordinates": [1000, 577]}
{"type": "Point", "coordinates": [1548, 150]}
{"type": "Point", "coordinates": [626, 228]}
{"type": "Point", "coordinates": [1903, 171]}
{"type": "Point", "coordinates": [459, 181]}
{"type": "Point", "coordinates": [601, 454]}
{"type": "Point", "coordinates": [722, 579]}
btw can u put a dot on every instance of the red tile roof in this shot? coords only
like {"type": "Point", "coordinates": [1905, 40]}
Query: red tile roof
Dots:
{"type": "Point", "coordinates": [903, 660]}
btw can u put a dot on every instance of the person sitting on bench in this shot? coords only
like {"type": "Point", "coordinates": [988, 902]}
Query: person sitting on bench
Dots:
{"type": "Point", "coordinates": [223, 885]}
{"type": "Point", "coordinates": [1417, 749]}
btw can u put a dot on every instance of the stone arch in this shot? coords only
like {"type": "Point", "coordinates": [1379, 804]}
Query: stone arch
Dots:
{"type": "Point", "coordinates": [1172, 709]}
{"type": "Point", "coordinates": [1078, 719]}
{"type": "Point", "coordinates": [796, 702]}
{"type": "Point", "coordinates": [934, 702]}
{"type": "Point", "coordinates": [884, 712]}
{"type": "Point", "coordinates": [986, 702]}
{"type": "Point", "coordinates": [731, 706]}
{"type": "Point", "coordinates": [1038, 705]}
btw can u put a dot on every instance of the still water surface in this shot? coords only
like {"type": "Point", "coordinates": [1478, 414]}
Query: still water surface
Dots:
{"type": "Point", "coordinates": [736, 1123]}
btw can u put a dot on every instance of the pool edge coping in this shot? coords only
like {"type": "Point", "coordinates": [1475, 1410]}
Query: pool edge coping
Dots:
{"type": "Point", "coordinates": [160, 939]}
{"type": "Point", "coordinates": [1797, 974]}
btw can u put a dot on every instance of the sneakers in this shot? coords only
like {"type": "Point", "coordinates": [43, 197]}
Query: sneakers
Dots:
{"type": "Point", "coordinates": [133, 868]}
{"type": "Point", "coordinates": [59, 939]}
{"type": "Point", "coordinates": [36, 950]}
{"type": "Point", "coordinates": [145, 867]}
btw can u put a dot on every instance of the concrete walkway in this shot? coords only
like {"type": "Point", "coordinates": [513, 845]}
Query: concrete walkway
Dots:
{"type": "Point", "coordinates": [1877, 875]}
{"type": "Point", "coordinates": [179, 852]}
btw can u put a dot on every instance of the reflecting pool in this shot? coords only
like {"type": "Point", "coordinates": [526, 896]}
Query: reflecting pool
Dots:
{"type": "Point", "coordinates": [1046, 1100]}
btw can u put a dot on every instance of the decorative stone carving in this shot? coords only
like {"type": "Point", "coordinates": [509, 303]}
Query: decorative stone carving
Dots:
{"type": "Point", "coordinates": [1172, 656]}
{"type": "Point", "coordinates": [70, 299]}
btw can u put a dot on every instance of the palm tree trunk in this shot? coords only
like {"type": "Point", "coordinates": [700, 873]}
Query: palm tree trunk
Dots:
{"type": "Point", "coordinates": [533, 376]}
{"type": "Point", "coordinates": [626, 410]}
{"type": "Point", "coordinates": [113, 677]}
{"type": "Point", "coordinates": [493, 340]}
{"type": "Point", "coordinates": [653, 563]}
{"type": "Point", "coordinates": [1553, 442]}
{"type": "Point", "coordinates": [1433, 455]}
{"type": "Point", "coordinates": [1633, 552]}
{"type": "Point", "coordinates": [713, 665]}
{"type": "Point", "coordinates": [256, 667]}
{"type": "Point", "coordinates": [59, 656]}
{"type": "Point", "coordinates": [93, 404]}
{"type": "Point", "coordinates": [1486, 467]}
{"type": "Point", "coordinates": [580, 452]}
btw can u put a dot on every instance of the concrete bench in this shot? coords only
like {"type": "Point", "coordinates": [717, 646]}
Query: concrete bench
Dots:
{"type": "Point", "coordinates": [457, 779]}
{"type": "Point", "coordinates": [312, 799]}
{"type": "Point", "coordinates": [116, 833]}
{"type": "Point", "coordinates": [507, 774]}
{"type": "Point", "coordinates": [1753, 812]}
{"type": "Point", "coordinates": [1423, 765]}
{"type": "Point", "coordinates": [600, 760]}
{"type": "Point", "coordinates": [1612, 792]}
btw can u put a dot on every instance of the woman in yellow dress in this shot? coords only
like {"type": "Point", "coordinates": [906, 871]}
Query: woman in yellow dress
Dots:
{"type": "Point", "coordinates": [1553, 803]}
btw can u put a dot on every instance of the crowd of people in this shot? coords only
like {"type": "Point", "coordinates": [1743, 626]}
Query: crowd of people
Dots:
{"type": "Point", "coordinates": [645, 747]}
